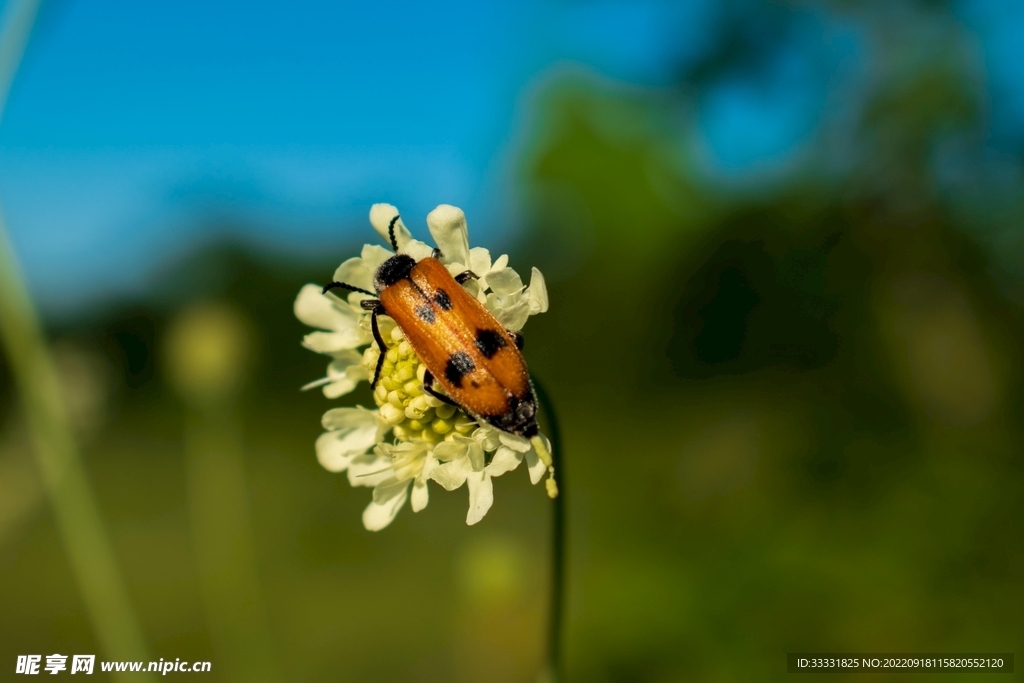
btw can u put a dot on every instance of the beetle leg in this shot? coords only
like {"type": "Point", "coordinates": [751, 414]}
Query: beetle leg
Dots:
{"type": "Point", "coordinates": [380, 343]}
{"type": "Point", "coordinates": [435, 253]}
{"type": "Point", "coordinates": [519, 338]}
{"type": "Point", "coordinates": [370, 304]}
{"type": "Point", "coordinates": [466, 275]}
{"type": "Point", "coordinates": [428, 386]}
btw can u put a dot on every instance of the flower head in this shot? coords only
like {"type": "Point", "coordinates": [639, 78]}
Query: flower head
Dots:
{"type": "Point", "coordinates": [413, 437]}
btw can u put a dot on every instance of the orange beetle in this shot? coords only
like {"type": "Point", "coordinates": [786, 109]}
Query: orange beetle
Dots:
{"type": "Point", "coordinates": [464, 348]}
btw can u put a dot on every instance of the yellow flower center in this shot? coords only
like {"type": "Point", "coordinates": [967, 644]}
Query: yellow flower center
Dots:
{"type": "Point", "coordinates": [413, 414]}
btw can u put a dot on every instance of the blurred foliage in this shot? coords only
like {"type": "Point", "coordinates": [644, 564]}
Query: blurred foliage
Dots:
{"type": "Point", "coordinates": [791, 410]}
{"type": "Point", "coordinates": [793, 414]}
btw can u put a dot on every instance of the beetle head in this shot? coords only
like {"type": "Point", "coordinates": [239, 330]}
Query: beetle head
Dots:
{"type": "Point", "coordinates": [391, 271]}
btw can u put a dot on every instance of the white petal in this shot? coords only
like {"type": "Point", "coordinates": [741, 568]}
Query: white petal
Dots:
{"type": "Point", "coordinates": [357, 373]}
{"type": "Point", "coordinates": [473, 287]}
{"type": "Point", "coordinates": [380, 219]}
{"type": "Point", "coordinates": [335, 450]}
{"type": "Point", "coordinates": [337, 369]}
{"type": "Point", "coordinates": [504, 282]}
{"type": "Point", "coordinates": [452, 475]}
{"type": "Point", "coordinates": [318, 310]}
{"type": "Point", "coordinates": [475, 455]}
{"type": "Point", "coordinates": [385, 505]}
{"type": "Point", "coordinates": [447, 226]}
{"type": "Point", "coordinates": [388, 489]}
{"type": "Point", "coordinates": [488, 437]}
{"type": "Point", "coordinates": [343, 359]}
{"type": "Point", "coordinates": [536, 467]}
{"type": "Point", "coordinates": [353, 432]}
{"type": "Point", "coordinates": [456, 268]}
{"type": "Point", "coordinates": [504, 460]}
{"type": "Point", "coordinates": [355, 299]}
{"type": "Point", "coordinates": [373, 255]}
{"type": "Point", "coordinates": [407, 459]}
{"type": "Point", "coordinates": [516, 443]}
{"type": "Point", "coordinates": [349, 418]}
{"type": "Point", "coordinates": [538, 293]}
{"type": "Point", "coordinates": [429, 463]}
{"type": "Point", "coordinates": [534, 463]}
{"type": "Point", "coordinates": [512, 317]}
{"type": "Point", "coordinates": [369, 470]}
{"type": "Point", "coordinates": [340, 387]}
{"type": "Point", "coordinates": [332, 342]}
{"type": "Point", "coordinates": [343, 374]}
{"type": "Point", "coordinates": [420, 495]}
{"type": "Point", "coordinates": [418, 250]}
{"type": "Point", "coordinates": [447, 451]}
{"type": "Point", "coordinates": [346, 381]}
{"type": "Point", "coordinates": [355, 272]}
{"type": "Point", "coordinates": [387, 325]}
{"type": "Point", "coordinates": [495, 303]}
{"type": "Point", "coordinates": [481, 496]}
{"type": "Point", "coordinates": [479, 261]}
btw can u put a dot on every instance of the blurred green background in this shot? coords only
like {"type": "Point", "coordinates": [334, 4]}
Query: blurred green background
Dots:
{"type": "Point", "coordinates": [791, 398]}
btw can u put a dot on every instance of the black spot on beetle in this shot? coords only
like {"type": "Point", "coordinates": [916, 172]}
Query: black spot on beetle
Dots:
{"type": "Point", "coordinates": [442, 300]}
{"type": "Point", "coordinates": [459, 365]}
{"type": "Point", "coordinates": [489, 342]}
{"type": "Point", "coordinates": [426, 313]}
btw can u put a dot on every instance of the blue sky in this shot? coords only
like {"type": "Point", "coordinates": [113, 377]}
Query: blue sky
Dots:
{"type": "Point", "coordinates": [133, 126]}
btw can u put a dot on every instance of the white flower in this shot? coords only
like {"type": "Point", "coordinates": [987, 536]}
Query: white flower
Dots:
{"type": "Point", "coordinates": [431, 440]}
{"type": "Point", "coordinates": [463, 459]}
{"type": "Point", "coordinates": [342, 334]}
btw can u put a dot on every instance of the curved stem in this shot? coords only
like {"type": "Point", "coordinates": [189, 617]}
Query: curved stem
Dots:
{"type": "Point", "coordinates": [557, 603]}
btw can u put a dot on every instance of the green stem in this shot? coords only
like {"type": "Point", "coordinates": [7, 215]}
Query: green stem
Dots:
{"type": "Point", "coordinates": [557, 604]}
{"type": "Point", "coordinates": [75, 512]}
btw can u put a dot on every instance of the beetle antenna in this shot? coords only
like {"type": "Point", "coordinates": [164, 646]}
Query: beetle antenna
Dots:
{"type": "Point", "coordinates": [391, 232]}
{"type": "Point", "coordinates": [341, 285]}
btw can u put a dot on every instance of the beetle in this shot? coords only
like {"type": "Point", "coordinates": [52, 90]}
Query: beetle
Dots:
{"type": "Point", "coordinates": [462, 345]}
